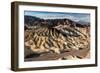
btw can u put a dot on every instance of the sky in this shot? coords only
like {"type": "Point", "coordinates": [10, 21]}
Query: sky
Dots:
{"type": "Point", "coordinates": [83, 17]}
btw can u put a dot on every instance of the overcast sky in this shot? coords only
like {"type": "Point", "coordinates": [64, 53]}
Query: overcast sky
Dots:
{"type": "Point", "coordinates": [84, 17]}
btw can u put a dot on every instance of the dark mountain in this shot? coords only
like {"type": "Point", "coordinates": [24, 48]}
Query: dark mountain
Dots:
{"type": "Point", "coordinates": [32, 20]}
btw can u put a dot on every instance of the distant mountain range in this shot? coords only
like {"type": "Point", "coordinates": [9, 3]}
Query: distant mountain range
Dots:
{"type": "Point", "coordinates": [83, 23]}
{"type": "Point", "coordinates": [32, 20]}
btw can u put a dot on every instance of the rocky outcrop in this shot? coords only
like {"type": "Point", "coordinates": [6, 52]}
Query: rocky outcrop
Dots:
{"type": "Point", "coordinates": [56, 36]}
